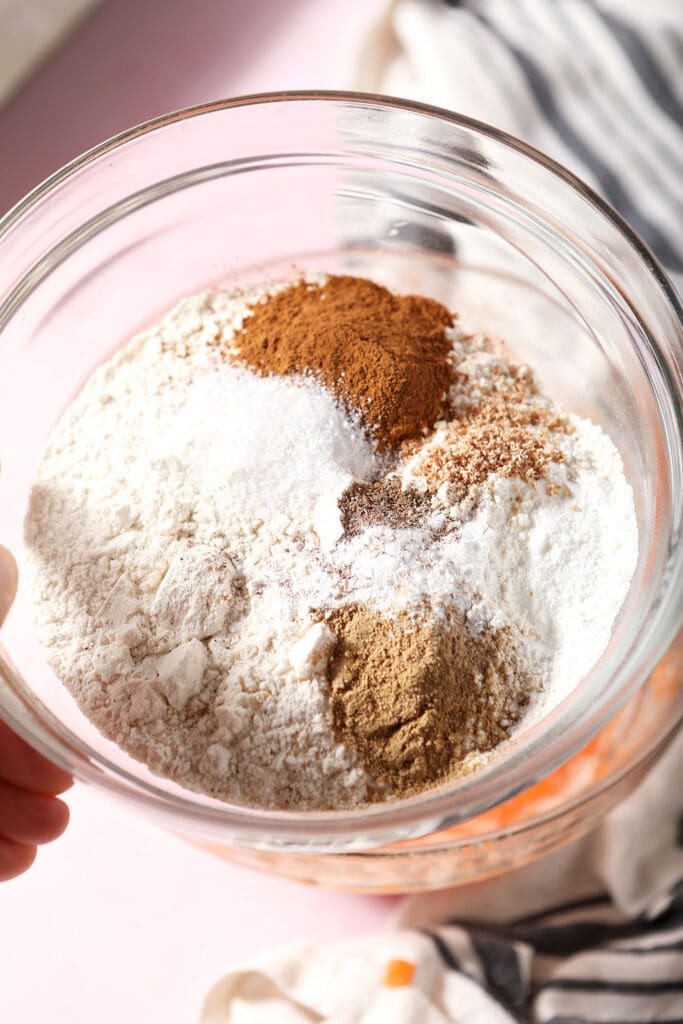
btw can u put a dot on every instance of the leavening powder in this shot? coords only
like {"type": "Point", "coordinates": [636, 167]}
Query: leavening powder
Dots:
{"type": "Point", "coordinates": [272, 582]}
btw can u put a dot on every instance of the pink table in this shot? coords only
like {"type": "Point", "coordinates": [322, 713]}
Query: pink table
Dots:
{"type": "Point", "coordinates": [118, 920]}
{"type": "Point", "coordinates": [137, 59]}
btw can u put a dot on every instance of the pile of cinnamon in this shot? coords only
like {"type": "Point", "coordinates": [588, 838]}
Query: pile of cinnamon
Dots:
{"type": "Point", "coordinates": [385, 356]}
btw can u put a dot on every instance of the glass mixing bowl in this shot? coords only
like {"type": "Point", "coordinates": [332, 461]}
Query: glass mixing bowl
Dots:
{"type": "Point", "coordinates": [422, 200]}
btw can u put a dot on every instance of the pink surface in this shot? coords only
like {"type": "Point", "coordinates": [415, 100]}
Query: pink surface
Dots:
{"type": "Point", "coordinates": [118, 920]}
{"type": "Point", "coordinates": [137, 59]}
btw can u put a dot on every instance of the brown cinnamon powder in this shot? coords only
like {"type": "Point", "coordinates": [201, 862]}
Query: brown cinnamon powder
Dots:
{"type": "Point", "coordinates": [383, 355]}
{"type": "Point", "coordinates": [414, 698]}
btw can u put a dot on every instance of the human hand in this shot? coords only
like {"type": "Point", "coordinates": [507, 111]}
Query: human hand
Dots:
{"type": "Point", "coordinates": [30, 813]}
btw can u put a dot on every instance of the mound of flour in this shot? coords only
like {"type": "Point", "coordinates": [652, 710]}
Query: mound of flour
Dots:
{"type": "Point", "coordinates": [183, 538]}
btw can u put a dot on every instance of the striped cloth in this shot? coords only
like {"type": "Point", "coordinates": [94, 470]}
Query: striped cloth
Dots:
{"type": "Point", "coordinates": [592, 934]}
{"type": "Point", "coordinates": [597, 86]}
{"type": "Point", "coordinates": [503, 951]}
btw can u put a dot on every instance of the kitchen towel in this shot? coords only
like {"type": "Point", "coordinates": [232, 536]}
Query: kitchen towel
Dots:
{"type": "Point", "coordinates": [597, 86]}
{"type": "Point", "coordinates": [594, 932]}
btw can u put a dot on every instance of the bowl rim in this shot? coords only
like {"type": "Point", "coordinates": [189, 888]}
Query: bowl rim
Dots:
{"type": "Point", "coordinates": [253, 825]}
{"type": "Point", "coordinates": [16, 211]}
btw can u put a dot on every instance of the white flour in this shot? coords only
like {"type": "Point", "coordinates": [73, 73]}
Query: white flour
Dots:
{"type": "Point", "coordinates": [183, 537]}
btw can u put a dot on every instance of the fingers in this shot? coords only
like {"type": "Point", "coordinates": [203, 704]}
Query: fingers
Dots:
{"type": "Point", "coordinates": [30, 819]}
{"type": "Point", "coordinates": [22, 766]}
{"type": "Point", "coordinates": [15, 858]}
{"type": "Point", "coordinates": [30, 813]}
{"type": "Point", "coordinates": [9, 578]}
{"type": "Point", "coordinates": [19, 764]}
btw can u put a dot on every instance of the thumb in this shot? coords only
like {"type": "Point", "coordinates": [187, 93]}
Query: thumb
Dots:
{"type": "Point", "coordinates": [9, 578]}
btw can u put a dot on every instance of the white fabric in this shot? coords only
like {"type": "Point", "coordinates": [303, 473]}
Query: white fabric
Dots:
{"type": "Point", "coordinates": [596, 85]}
{"type": "Point", "coordinates": [633, 855]}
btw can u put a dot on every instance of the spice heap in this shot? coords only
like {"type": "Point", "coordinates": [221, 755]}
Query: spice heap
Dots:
{"type": "Point", "coordinates": [385, 356]}
{"type": "Point", "coordinates": [415, 697]}
{"type": "Point", "coordinates": [312, 546]}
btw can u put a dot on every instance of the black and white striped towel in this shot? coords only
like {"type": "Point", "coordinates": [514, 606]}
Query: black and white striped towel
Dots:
{"type": "Point", "coordinates": [597, 86]}
{"type": "Point", "coordinates": [594, 932]}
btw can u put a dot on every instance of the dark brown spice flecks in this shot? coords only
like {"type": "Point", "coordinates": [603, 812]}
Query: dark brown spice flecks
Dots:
{"type": "Point", "coordinates": [382, 503]}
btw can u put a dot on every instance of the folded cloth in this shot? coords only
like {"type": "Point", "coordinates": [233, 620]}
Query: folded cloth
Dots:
{"type": "Point", "coordinates": [597, 86]}
{"type": "Point", "coordinates": [593, 932]}
{"type": "Point", "coordinates": [503, 950]}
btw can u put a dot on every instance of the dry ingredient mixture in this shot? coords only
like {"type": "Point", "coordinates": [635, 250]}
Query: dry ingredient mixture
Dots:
{"type": "Point", "coordinates": [312, 546]}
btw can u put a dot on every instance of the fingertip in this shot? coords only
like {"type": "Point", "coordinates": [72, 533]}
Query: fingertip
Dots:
{"type": "Point", "coordinates": [54, 780]}
{"type": "Point", "coordinates": [9, 581]}
{"type": "Point", "coordinates": [29, 818]}
{"type": "Point", "coordinates": [15, 858]}
{"type": "Point", "coordinates": [61, 785]}
{"type": "Point", "coordinates": [22, 766]}
{"type": "Point", "coordinates": [57, 820]}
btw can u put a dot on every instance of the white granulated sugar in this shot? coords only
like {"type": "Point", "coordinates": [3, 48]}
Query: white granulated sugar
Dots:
{"type": "Point", "coordinates": [184, 539]}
